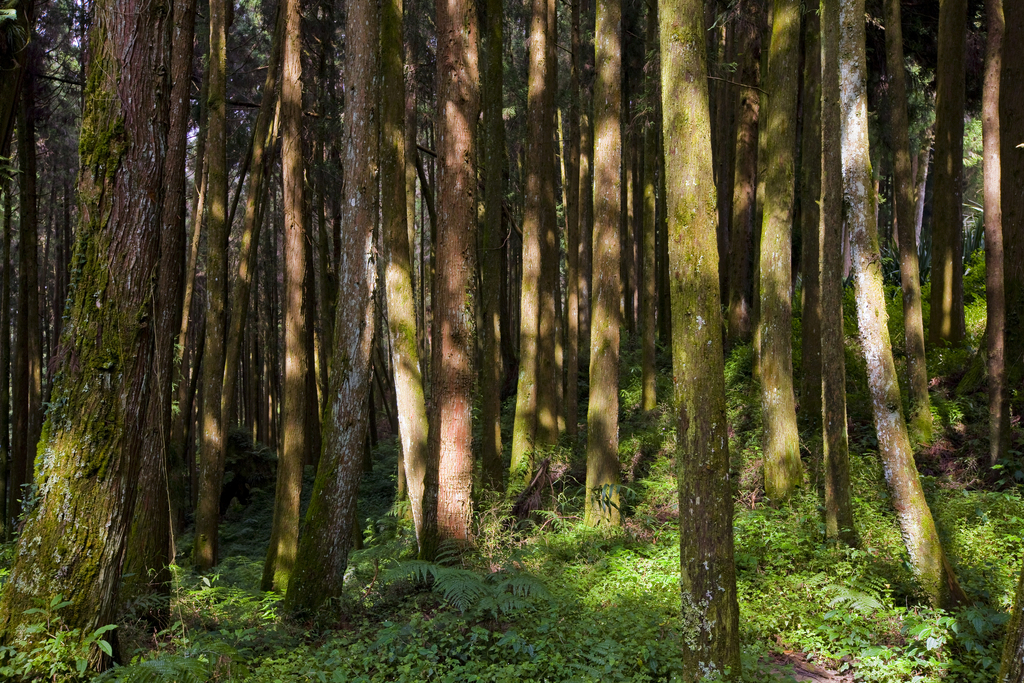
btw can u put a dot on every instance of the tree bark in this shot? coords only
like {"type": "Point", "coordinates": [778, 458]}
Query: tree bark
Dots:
{"type": "Point", "coordinates": [782, 466]}
{"type": "Point", "coordinates": [453, 338]}
{"type": "Point", "coordinates": [648, 293]}
{"type": "Point", "coordinates": [995, 325]}
{"type": "Point", "coordinates": [946, 324]}
{"type": "Point", "coordinates": [284, 535]}
{"type": "Point", "coordinates": [491, 263]}
{"type": "Point", "coordinates": [1011, 159]}
{"type": "Point", "coordinates": [810, 193]}
{"type": "Point", "coordinates": [74, 541]}
{"type": "Point", "coordinates": [602, 486]}
{"type": "Point", "coordinates": [409, 394]}
{"type": "Point", "coordinates": [586, 198]}
{"type": "Point", "coordinates": [211, 463]}
{"type": "Point", "coordinates": [708, 580]}
{"type": "Point", "coordinates": [920, 423]}
{"type": "Point", "coordinates": [916, 524]}
{"type": "Point", "coordinates": [836, 448]}
{"type": "Point", "coordinates": [572, 231]}
{"type": "Point", "coordinates": [5, 361]}
{"type": "Point", "coordinates": [330, 519]}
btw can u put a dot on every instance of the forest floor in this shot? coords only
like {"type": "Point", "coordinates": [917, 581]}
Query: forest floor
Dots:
{"type": "Point", "coordinates": [546, 599]}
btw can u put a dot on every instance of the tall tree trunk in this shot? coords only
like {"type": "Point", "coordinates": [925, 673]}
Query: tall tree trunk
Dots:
{"type": "Point", "coordinates": [835, 442]}
{"type": "Point", "coordinates": [919, 533]}
{"type": "Point", "coordinates": [782, 466]}
{"type": "Point", "coordinates": [810, 192]}
{"type": "Point", "coordinates": [602, 492]}
{"type": "Point", "coordinates": [5, 360]}
{"type": "Point", "coordinates": [330, 519]}
{"type": "Point", "coordinates": [27, 408]}
{"type": "Point", "coordinates": [947, 298]}
{"type": "Point", "coordinates": [539, 161]}
{"type": "Point", "coordinates": [284, 536]}
{"type": "Point", "coordinates": [150, 543]}
{"type": "Point", "coordinates": [74, 540]}
{"type": "Point", "coordinates": [572, 231]}
{"type": "Point", "coordinates": [211, 463]}
{"type": "Point", "coordinates": [453, 338]}
{"type": "Point", "coordinates": [920, 423]}
{"type": "Point", "coordinates": [648, 293]}
{"type": "Point", "coordinates": [995, 325]}
{"type": "Point", "coordinates": [586, 199]}
{"type": "Point", "coordinates": [708, 574]}
{"type": "Point", "coordinates": [409, 395]}
{"type": "Point", "coordinates": [491, 263]}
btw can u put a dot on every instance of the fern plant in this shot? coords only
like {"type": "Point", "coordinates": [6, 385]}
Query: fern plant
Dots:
{"type": "Point", "coordinates": [213, 660]}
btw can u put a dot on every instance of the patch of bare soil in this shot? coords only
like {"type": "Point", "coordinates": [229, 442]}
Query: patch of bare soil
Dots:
{"type": "Point", "coordinates": [796, 667]}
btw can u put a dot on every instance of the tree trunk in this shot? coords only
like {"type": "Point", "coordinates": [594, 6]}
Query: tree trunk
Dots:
{"type": "Point", "coordinates": [995, 325]}
{"type": "Point", "coordinates": [5, 361]}
{"type": "Point", "coordinates": [572, 232]}
{"type": "Point", "coordinates": [74, 541]}
{"type": "Point", "coordinates": [782, 466]}
{"type": "Point", "coordinates": [835, 444]}
{"type": "Point", "coordinates": [211, 462]}
{"type": "Point", "coordinates": [1011, 159]}
{"type": "Point", "coordinates": [602, 492]}
{"type": "Point", "coordinates": [491, 263]}
{"type": "Point", "coordinates": [708, 576]}
{"type": "Point", "coordinates": [151, 541]}
{"type": "Point", "coordinates": [919, 533]}
{"type": "Point", "coordinates": [409, 395]}
{"type": "Point", "coordinates": [920, 423]}
{"type": "Point", "coordinates": [810, 193]}
{"type": "Point", "coordinates": [284, 535]}
{"type": "Point", "coordinates": [539, 183]}
{"type": "Point", "coordinates": [330, 519]}
{"type": "Point", "coordinates": [947, 300]}
{"type": "Point", "coordinates": [648, 294]}
{"type": "Point", "coordinates": [453, 338]}
{"type": "Point", "coordinates": [586, 212]}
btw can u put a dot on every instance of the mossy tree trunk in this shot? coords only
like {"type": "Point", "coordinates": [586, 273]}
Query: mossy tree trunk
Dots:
{"type": "Point", "coordinates": [412, 409]}
{"type": "Point", "coordinates": [747, 36]}
{"type": "Point", "coordinates": [708, 577]}
{"type": "Point", "coordinates": [782, 466]}
{"type": "Point", "coordinates": [539, 197]}
{"type": "Point", "coordinates": [150, 544]}
{"type": "Point", "coordinates": [920, 423]}
{"type": "Point", "coordinates": [74, 541]}
{"type": "Point", "coordinates": [915, 518]}
{"type": "Point", "coordinates": [835, 441]}
{"type": "Point", "coordinates": [995, 294]}
{"type": "Point", "coordinates": [810, 192]}
{"type": "Point", "coordinates": [602, 494]}
{"type": "Point", "coordinates": [211, 462]}
{"type": "Point", "coordinates": [328, 530]}
{"type": "Point", "coordinates": [297, 404]}
{"type": "Point", "coordinates": [454, 336]}
{"type": "Point", "coordinates": [947, 298]}
{"type": "Point", "coordinates": [5, 359]}
{"type": "Point", "coordinates": [648, 293]}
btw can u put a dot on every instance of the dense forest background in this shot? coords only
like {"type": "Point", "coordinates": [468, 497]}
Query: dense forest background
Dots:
{"type": "Point", "coordinates": [496, 340]}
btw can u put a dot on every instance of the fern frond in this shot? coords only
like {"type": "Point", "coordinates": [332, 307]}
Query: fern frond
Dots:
{"type": "Point", "coordinates": [460, 587]}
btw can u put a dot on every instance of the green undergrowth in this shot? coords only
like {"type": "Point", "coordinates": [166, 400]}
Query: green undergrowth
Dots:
{"type": "Point", "coordinates": [546, 599]}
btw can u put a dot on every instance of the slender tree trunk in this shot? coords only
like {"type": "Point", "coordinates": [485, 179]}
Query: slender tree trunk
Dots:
{"type": "Point", "coordinates": [539, 160]}
{"type": "Point", "coordinates": [947, 275]}
{"type": "Point", "coordinates": [284, 538]}
{"type": "Point", "coordinates": [211, 463]}
{"type": "Point", "coordinates": [782, 466]}
{"type": "Point", "coordinates": [330, 519]}
{"type": "Point", "coordinates": [920, 423]}
{"type": "Point", "coordinates": [995, 325]}
{"type": "Point", "coordinates": [810, 192]}
{"type": "Point", "coordinates": [835, 443]}
{"type": "Point", "coordinates": [453, 338]}
{"type": "Point", "coordinates": [150, 543]}
{"type": "Point", "coordinates": [916, 523]}
{"type": "Point", "coordinates": [708, 578]}
{"type": "Point", "coordinates": [602, 492]}
{"type": "Point", "coordinates": [572, 231]}
{"type": "Point", "coordinates": [74, 540]}
{"type": "Point", "coordinates": [491, 263]}
{"type": "Point", "coordinates": [409, 395]}
{"type": "Point", "coordinates": [648, 293]}
{"type": "Point", "coordinates": [586, 199]}
{"type": "Point", "coordinates": [5, 361]}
